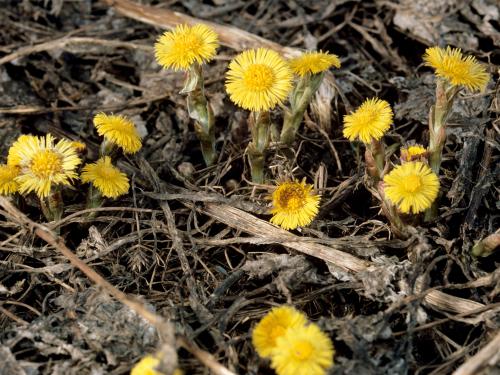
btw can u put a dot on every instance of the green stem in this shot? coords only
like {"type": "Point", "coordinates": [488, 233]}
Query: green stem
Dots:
{"type": "Point", "coordinates": [398, 227]}
{"type": "Point", "coordinates": [260, 126]}
{"type": "Point", "coordinates": [375, 160]}
{"type": "Point", "coordinates": [201, 112]}
{"type": "Point", "coordinates": [53, 205]}
{"type": "Point", "coordinates": [438, 118]}
{"type": "Point", "coordinates": [300, 98]}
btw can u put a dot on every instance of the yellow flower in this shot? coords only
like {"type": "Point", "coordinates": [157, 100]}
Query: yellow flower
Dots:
{"type": "Point", "coordinates": [458, 69]}
{"type": "Point", "coordinates": [413, 152]}
{"type": "Point", "coordinates": [313, 63]}
{"type": "Point", "coordinates": [369, 122]}
{"type": "Point", "coordinates": [180, 48]}
{"type": "Point", "coordinates": [118, 130]}
{"type": "Point", "coordinates": [108, 179]}
{"type": "Point", "coordinates": [79, 146]}
{"type": "Point", "coordinates": [43, 163]}
{"type": "Point", "coordinates": [273, 325]}
{"type": "Point", "coordinates": [294, 204]}
{"type": "Point", "coordinates": [412, 187]}
{"type": "Point", "coordinates": [25, 140]}
{"type": "Point", "coordinates": [258, 79]}
{"type": "Point", "coordinates": [147, 365]}
{"type": "Point", "coordinates": [303, 350]}
{"type": "Point", "coordinates": [8, 183]}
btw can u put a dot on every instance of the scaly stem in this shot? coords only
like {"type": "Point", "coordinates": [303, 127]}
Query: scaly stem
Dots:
{"type": "Point", "coordinates": [438, 117]}
{"type": "Point", "coordinates": [399, 228]}
{"type": "Point", "coordinates": [94, 200]}
{"type": "Point", "coordinates": [260, 125]}
{"type": "Point", "coordinates": [53, 205]}
{"type": "Point", "coordinates": [201, 112]}
{"type": "Point", "coordinates": [300, 98]}
{"type": "Point", "coordinates": [375, 160]}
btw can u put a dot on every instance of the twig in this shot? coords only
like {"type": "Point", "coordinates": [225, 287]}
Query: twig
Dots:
{"type": "Point", "coordinates": [35, 110]}
{"type": "Point", "coordinates": [488, 355]}
{"type": "Point", "coordinates": [164, 327]}
{"type": "Point", "coordinates": [231, 37]}
{"type": "Point", "coordinates": [345, 262]}
{"type": "Point", "coordinates": [66, 41]}
{"type": "Point", "coordinates": [204, 357]}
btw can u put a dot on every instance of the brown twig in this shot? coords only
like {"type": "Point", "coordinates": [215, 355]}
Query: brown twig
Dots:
{"type": "Point", "coordinates": [231, 37]}
{"type": "Point", "coordinates": [206, 358]}
{"type": "Point", "coordinates": [48, 236]}
{"type": "Point", "coordinates": [488, 355]}
{"type": "Point", "coordinates": [67, 41]}
{"type": "Point", "coordinates": [343, 261]}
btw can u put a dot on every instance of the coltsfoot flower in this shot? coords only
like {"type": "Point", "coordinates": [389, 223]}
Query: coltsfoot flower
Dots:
{"type": "Point", "coordinates": [180, 48]}
{"type": "Point", "coordinates": [8, 183]}
{"type": "Point", "coordinates": [412, 187]}
{"type": "Point", "coordinates": [118, 130]}
{"type": "Point", "coordinates": [303, 350]}
{"type": "Point", "coordinates": [79, 146]}
{"type": "Point", "coordinates": [457, 69]}
{"type": "Point", "coordinates": [273, 325]}
{"type": "Point", "coordinates": [412, 153]}
{"type": "Point", "coordinates": [43, 163]}
{"type": "Point", "coordinates": [108, 179]}
{"type": "Point", "coordinates": [313, 63]}
{"type": "Point", "coordinates": [294, 204]}
{"type": "Point", "coordinates": [369, 122]}
{"type": "Point", "coordinates": [258, 79]}
{"type": "Point", "coordinates": [147, 366]}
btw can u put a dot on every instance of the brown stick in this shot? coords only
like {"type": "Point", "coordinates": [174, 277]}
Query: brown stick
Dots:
{"type": "Point", "coordinates": [248, 223]}
{"type": "Point", "coordinates": [164, 327]}
{"type": "Point", "coordinates": [231, 37]}
{"type": "Point", "coordinates": [66, 41]}
{"type": "Point", "coordinates": [488, 355]}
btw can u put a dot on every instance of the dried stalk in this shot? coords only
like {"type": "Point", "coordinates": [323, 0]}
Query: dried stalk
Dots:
{"type": "Point", "coordinates": [489, 355]}
{"type": "Point", "coordinates": [164, 327]}
{"type": "Point", "coordinates": [348, 263]}
{"type": "Point", "coordinates": [229, 36]}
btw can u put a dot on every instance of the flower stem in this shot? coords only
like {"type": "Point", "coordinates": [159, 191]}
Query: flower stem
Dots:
{"type": "Point", "coordinates": [398, 227]}
{"type": "Point", "coordinates": [300, 98]}
{"type": "Point", "coordinates": [201, 112]}
{"type": "Point", "coordinates": [375, 160]}
{"type": "Point", "coordinates": [438, 117]}
{"type": "Point", "coordinates": [260, 126]}
{"type": "Point", "coordinates": [53, 205]}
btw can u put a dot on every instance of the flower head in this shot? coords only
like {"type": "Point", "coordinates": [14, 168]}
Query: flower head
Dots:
{"type": "Point", "coordinates": [180, 48]}
{"type": "Point", "coordinates": [412, 187]}
{"type": "Point", "coordinates": [274, 325]}
{"type": "Point", "coordinates": [79, 146]}
{"type": "Point", "coordinates": [108, 179]}
{"type": "Point", "coordinates": [147, 366]}
{"type": "Point", "coordinates": [458, 69]}
{"type": "Point", "coordinates": [412, 153]}
{"type": "Point", "coordinates": [303, 350]}
{"type": "Point", "coordinates": [313, 63]}
{"type": "Point", "coordinates": [118, 130]}
{"type": "Point", "coordinates": [369, 122]}
{"type": "Point", "coordinates": [8, 183]}
{"type": "Point", "coordinates": [294, 204]}
{"type": "Point", "coordinates": [258, 79]}
{"type": "Point", "coordinates": [42, 162]}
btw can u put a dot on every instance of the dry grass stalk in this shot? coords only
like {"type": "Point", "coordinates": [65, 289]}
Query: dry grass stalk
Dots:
{"type": "Point", "coordinates": [248, 223]}
{"type": "Point", "coordinates": [165, 328]}
{"type": "Point", "coordinates": [231, 37]}
{"type": "Point", "coordinates": [244, 221]}
{"type": "Point", "coordinates": [488, 355]}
